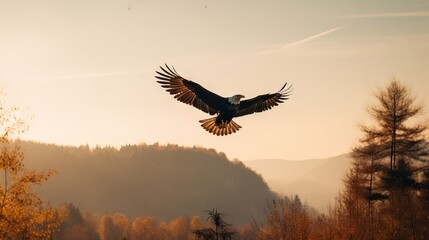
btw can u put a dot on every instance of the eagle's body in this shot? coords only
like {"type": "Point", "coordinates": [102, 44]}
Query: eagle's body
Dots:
{"type": "Point", "coordinates": [226, 108]}
{"type": "Point", "coordinates": [226, 114]}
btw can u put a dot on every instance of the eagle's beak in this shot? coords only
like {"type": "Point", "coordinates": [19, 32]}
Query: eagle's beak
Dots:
{"type": "Point", "coordinates": [242, 96]}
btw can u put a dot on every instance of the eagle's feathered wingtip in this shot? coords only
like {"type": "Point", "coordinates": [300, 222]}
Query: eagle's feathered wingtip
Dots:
{"type": "Point", "coordinates": [285, 92]}
{"type": "Point", "coordinates": [288, 89]}
{"type": "Point", "coordinates": [167, 73]}
{"type": "Point", "coordinates": [169, 70]}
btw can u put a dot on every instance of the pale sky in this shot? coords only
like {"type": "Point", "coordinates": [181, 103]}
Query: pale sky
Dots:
{"type": "Point", "coordinates": [83, 70]}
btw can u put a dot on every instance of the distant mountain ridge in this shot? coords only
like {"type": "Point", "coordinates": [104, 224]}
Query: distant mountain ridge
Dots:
{"type": "Point", "coordinates": [149, 180]}
{"type": "Point", "coordinates": [316, 181]}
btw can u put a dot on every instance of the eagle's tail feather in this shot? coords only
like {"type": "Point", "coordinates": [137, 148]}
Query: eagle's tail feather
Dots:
{"type": "Point", "coordinates": [219, 129]}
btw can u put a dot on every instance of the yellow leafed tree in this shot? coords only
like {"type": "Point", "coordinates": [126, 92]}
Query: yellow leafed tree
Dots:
{"type": "Point", "coordinates": [22, 213]}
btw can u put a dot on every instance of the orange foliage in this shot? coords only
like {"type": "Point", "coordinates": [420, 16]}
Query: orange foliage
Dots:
{"type": "Point", "coordinates": [22, 215]}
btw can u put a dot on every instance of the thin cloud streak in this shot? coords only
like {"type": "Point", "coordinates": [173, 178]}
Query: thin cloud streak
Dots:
{"type": "Point", "coordinates": [391, 15]}
{"type": "Point", "coordinates": [302, 41]}
{"type": "Point", "coordinates": [296, 43]}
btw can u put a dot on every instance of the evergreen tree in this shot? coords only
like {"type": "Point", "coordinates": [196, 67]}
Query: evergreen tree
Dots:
{"type": "Point", "coordinates": [389, 161]}
{"type": "Point", "coordinates": [220, 231]}
{"type": "Point", "coordinates": [394, 137]}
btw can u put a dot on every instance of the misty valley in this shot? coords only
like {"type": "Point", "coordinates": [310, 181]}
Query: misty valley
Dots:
{"type": "Point", "coordinates": [380, 190]}
{"type": "Point", "coordinates": [139, 191]}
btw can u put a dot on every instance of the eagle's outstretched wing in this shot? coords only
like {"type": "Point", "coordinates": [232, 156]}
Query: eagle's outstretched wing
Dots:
{"type": "Point", "coordinates": [189, 92]}
{"type": "Point", "coordinates": [263, 102]}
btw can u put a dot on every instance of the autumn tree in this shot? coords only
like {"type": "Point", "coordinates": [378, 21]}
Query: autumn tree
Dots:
{"type": "Point", "coordinates": [180, 228]}
{"type": "Point", "coordinates": [353, 214]}
{"type": "Point", "coordinates": [114, 227]}
{"type": "Point", "coordinates": [382, 189]}
{"type": "Point", "coordinates": [22, 213]}
{"type": "Point", "coordinates": [75, 225]}
{"type": "Point", "coordinates": [144, 228]}
{"type": "Point", "coordinates": [286, 219]}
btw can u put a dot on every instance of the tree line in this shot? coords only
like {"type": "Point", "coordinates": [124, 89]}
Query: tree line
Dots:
{"type": "Point", "coordinates": [385, 194]}
{"type": "Point", "coordinates": [86, 225]}
{"type": "Point", "coordinates": [141, 180]}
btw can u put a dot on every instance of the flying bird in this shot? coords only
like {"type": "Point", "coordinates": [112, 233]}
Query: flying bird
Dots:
{"type": "Point", "coordinates": [225, 108]}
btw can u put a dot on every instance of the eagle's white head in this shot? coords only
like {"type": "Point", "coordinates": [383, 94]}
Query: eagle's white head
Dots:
{"type": "Point", "coordinates": [235, 99]}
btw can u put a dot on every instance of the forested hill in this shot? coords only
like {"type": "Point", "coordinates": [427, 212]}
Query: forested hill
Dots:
{"type": "Point", "coordinates": [140, 180]}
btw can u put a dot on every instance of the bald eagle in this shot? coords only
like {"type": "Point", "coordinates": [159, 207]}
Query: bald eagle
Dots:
{"type": "Point", "coordinates": [226, 108]}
